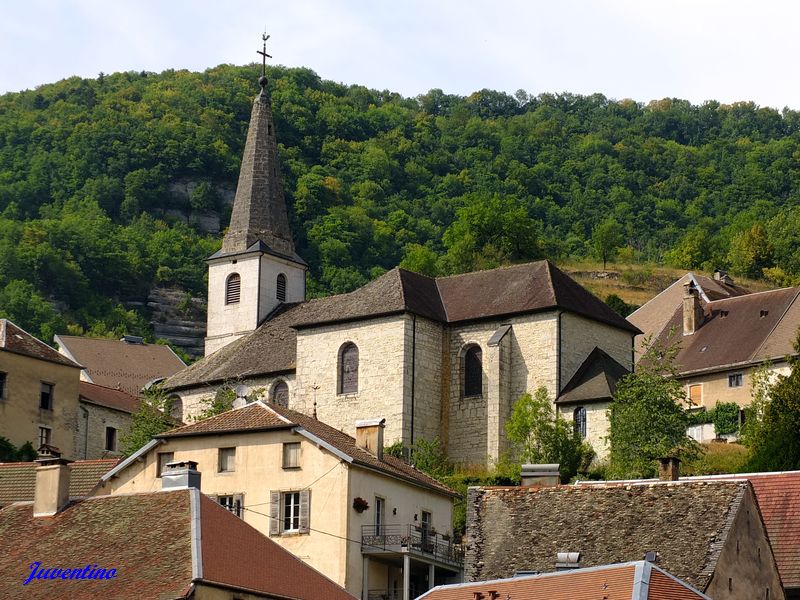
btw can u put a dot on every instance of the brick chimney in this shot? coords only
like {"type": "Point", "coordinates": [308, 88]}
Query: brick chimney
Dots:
{"type": "Point", "coordinates": [52, 482]}
{"type": "Point", "coordinates": [180, 475]}
{"type": "Point", "coordinates": [541, 475]}
{"type": "Point", "coordinates": [669, 468]}
{"type": "Point", "coordinates": [692, 310]}
{"type": "Point", "coordinates": [369, 436]}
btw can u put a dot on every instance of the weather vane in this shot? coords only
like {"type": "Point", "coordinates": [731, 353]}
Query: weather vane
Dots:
{"type": "Point", "coordinates": [264, 56]}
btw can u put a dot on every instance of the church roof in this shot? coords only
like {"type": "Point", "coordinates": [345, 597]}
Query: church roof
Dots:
{"type": "Point", "coordinates": [595, 379]}
{"type": "Point", "coordinates": [506, 291]}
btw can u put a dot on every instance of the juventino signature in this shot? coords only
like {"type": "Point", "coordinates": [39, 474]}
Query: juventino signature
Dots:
{"type": "Point", "coordinates": [88, 572]}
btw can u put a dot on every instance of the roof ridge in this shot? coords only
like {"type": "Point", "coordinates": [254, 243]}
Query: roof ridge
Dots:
{"type": "Point", "coordinates": [500, 268]}
{"type": "Point", "coordinates": [783, 289]}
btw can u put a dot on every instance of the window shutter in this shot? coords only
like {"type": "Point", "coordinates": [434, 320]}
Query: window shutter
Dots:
{"type": "Point", "coordinates": [238, 503]}
{"type": "Point", "coordinates": [274, 513]}
{"type": "Point", "coordinates": [280, 293]}
{"type": "Point", "coordinates": [305, 510]}
{"type": "Point", "coordinates": [233, 288]}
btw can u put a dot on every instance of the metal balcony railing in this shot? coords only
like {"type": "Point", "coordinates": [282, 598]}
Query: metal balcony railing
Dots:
{"type": "Point", "coordinates": [413, 539]}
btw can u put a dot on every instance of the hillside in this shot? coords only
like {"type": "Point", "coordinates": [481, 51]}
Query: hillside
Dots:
{"type": "Point", "coordinates": [114, 186]}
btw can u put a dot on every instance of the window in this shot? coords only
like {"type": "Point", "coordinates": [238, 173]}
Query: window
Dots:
{"type": "Point", "coordinates": [696, 394]}
{"type": "Point", "coordinates": [379, 516]}
{"type": "Point", "coordinates": [233, 288]}
{"type": "Point", "coordinates": [44, 436]}
{"type": "Point", "coordinates": [280, 394]}
{"type": "Point", "coordinates": [291, 455]}
{"type": "Point", "coordinates": [289, 512]}
{"type": "Point", "coordinates": [46, 397]}
{"type": "Point", "coordinates": [473, 372]}
{"type": "Point", "coordinates": [163, 459]}
{"type": "Point", "coordinates": [111, 439]}
{"type": "Point", "coordinates": [176, 407]}
{"type": "Point", "coordinates": [3, 385]}
{"type": "Point", "coordinates": [227, 460]}
{"type": "Point", "coordinates": [280, 292]}
{"type": "Point", "coordinates": [579, 421]}
{"type": "Point", "coordinates": [735, 380]}
{"type": "Point", "coordinates": [348, 369]}
{"type": "Point", "coordinates": [233, 503]}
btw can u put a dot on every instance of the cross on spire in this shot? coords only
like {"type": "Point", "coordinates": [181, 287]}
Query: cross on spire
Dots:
{"type": "Point", "coordinates": [264, 56]}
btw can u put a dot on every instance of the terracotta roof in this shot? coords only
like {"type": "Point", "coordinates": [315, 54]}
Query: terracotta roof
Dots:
{"type": "Point", "coordinates": [633, 581]}
{"type": "Point", "coordinates": [499, 292]}
{"type": "Point", "coordinates": [17, 340]}
{"type": "Point", "coordinates": [119, 364]}
{"type": "Point", "coordinates": [18, 480]}
{"type": "Point", "coordinates": [259, 417]}
{"type": "Point", "coordinates": [595, 379]}
{"type": "Point", "coordinates": [686, 523]}
{"type": "Point", "coordinates": [738, 331]}
{"type": "Point", "coordinates": [103, 396]}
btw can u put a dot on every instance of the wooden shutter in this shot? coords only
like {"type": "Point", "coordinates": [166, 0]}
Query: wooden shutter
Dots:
{"type": "Point", "coordinates": [274, 513]}
{"type": "Point", "coordinates": [473, 372]}
{"type": "Point", "coordinates": [696, 394]}
{"type": "Point", "coordinates": [348, 377]}
{"type": "Point", "coordinates": [238, 503]}
{"type": "Point", "coordinates": [305, 511]}
{"type": "Point", "coordinates": [233, 289]}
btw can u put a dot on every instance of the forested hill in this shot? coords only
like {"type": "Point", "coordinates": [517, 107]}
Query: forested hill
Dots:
{"type": "Point", "coordinates": [111, 186]}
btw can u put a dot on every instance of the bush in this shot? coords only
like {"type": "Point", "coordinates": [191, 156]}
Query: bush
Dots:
{"type": "Point", "coordinates": [726, 418]}
{"type": "Point", "coordinates": [717, 459]}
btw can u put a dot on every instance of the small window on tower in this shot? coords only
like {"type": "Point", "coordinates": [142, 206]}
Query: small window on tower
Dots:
{"type": "Point", "coordinates": [280, 294]}
{"type": "Point", "coordinates": [233, 288]}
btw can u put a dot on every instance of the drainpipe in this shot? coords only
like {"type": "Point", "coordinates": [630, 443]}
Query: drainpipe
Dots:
{"type": "Point", "coordinates": [558, 352]}
{"type": "Point", "coordinates": [413, 369]}
{"type": "Point", "coordinates": [85, 432]}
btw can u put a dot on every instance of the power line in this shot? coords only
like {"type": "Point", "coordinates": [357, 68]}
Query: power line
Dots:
{"type": "Point", "coordinates": [309, 485]}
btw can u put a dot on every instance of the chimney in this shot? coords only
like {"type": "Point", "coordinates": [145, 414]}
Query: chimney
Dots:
{"type": "Point", "coordinates": [541, 475]}
{"type": "Point", "coordinates": [692, 310]}
{"type": "Point", "coordinates": [180, 475]}
{"type": "Point", "coordinates": [52, 482]}
{"type": "Point", "coordinates": [369, 436]}
{"type": "Point", "coordinates": [566, 561]}
{"type": "Point", "coordinates": [723, 277]}
{"type": "Point", "coordinates": [669, 468]}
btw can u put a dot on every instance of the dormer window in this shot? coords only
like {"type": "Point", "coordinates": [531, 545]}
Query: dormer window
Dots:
{"type": "Point", "coordinates": [280, 292]}
{"type": "Point", "coordinates": [233, 289]}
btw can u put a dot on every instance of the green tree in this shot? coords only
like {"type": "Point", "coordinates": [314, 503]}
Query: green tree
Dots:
{"type": "Point", "coordinates": [151, 418]}
{"type": "Point", "coordinates": [220, 402]}
{"type": "Point", "coordinates": [606, 238]}
{"type": "Point", "coordinates": [647, 419]}
{"type": "Point", "coordinates": [751, 252]}
{"type": "Point", "coordinates": [539, 435]}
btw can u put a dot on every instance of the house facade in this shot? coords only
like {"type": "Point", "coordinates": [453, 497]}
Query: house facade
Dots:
{"type": "Point", "coordinates": [104, 417]}
{"type": "Point", "coordinates": [367, 520]}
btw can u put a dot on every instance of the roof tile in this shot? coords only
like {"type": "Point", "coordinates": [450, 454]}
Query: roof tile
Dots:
{"type": "Point", "coordinates": [18, 480]}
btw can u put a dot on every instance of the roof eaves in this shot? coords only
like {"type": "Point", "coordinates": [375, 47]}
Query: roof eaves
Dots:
{"type": "Point", "coordinates": [240, 430]}
{"type": "Point", "coordinates": [82, 398]}
{"type": "Point", "coordinates": [731, 366]}
{"type": "Point", "coordinates": [124, 464]}
{"type": "Point", "coordinates": [444, 490]}
{"type": "Point", "coordinates": [322, 443]}
{"type": "Point", "coordinates": [377, 315]}
{"type": "Point", "coordinates": [680, 581]}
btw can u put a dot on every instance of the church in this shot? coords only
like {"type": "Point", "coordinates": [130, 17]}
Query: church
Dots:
{"type": "Point", "coordinates": [442, 357]}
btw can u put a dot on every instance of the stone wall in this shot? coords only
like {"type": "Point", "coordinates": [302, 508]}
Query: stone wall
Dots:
{"type": "Point", "coordinates": [596, 425]}
{"type": "Point", "coordinates": [90, 440]}
{"type": "Point", "coordinates": [193, 400]}
{"type": "Point", "coordinates": [580, 335]}
{"type": "Point", "coordinates": [423, 340]}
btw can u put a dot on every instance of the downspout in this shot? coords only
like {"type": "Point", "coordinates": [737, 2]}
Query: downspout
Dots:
{"type": "Point", "coordinates": [258, 293]}
{"type": "Point", "coordinates": [633, 352]}
{"type": "Point", "coordinates": [413, 369]}
{"type": "Point", "coordinates": [558, 351]}
{"type": "Point", "coordinates": [85, 432]}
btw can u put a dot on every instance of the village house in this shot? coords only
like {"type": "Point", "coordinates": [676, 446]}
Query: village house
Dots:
{"type": "Point", "coordinates": [105, 416]}
{"type": "Point", "coordinates": [171, 543]}
{"type": "Point", "coordinates": [368, 520]}
{"type": "Point", "coordinates": [439, 357]}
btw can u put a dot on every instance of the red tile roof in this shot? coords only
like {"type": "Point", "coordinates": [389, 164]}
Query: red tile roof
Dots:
{"type": "Point", "coordinates": [110, 398]}
{"type": "Point", "coordinates": [17, 340]}
{"type": "Point", "coordinates": [18, 480]}
{"type": "Point", "coordinates": [618, 582]}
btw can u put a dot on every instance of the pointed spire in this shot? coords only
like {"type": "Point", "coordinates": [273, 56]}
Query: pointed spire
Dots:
{"type": "Point", "coordinates": [259, 209]}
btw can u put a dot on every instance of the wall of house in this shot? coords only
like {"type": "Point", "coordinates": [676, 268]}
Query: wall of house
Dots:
{"type": "Point", "coordinates": [258, 471]}
{"type": "Point", "coordinates": [20, 415]}
{"type": "Point", "coordinates": [381, 346]}
{"type": "Point", "coordinates": [746, 567]}
{"type": "Point", "coordinates": [194, 400]}
{"type": "Point", "coordinates": [90, 437]}
{"type": "Point", "coordinates": [580, 335]}
{"type": "Point", "coordinates": [596, 425]}
{"type": "Point", "coordinates": [715, 385]}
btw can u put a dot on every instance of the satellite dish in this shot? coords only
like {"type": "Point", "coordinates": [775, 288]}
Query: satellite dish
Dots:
{"type": "Point", "coordinates": [242, 391]}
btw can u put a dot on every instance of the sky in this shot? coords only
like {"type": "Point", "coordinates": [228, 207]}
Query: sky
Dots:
{"type": "Point", "coordinates": [725, 50]}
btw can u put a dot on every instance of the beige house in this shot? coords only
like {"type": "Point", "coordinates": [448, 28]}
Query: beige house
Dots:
{"type": "Point", "coordinates": [444, 357]}
{"type": "Point", "coordinates": [38, 391]}
{"type": "Point", "coordinates": [367, 520]}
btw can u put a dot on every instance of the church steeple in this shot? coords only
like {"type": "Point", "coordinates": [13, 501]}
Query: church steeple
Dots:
{"type": "Point", "coordinates": [259, 209]}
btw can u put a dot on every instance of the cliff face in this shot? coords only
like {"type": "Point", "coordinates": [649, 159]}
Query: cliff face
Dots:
{"type": "Point", "coordinates": [179, 318]}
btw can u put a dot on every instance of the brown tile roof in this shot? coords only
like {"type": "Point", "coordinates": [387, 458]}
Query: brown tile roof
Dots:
{"type": "Point", "coordinates": [738, 331]}
{"type": "Point", "coordinates": [18, 480]}
{"type": "Point", "coordinates": [121, 365]}
{"type": "Point", "coordinates": [103, 396]}
{"type": "Point", "coordinates": [595, 379]}
{"type": "Point", "coordinates": [484, 294]}
{"type": "Point", "coordinates": [523, 528]}
{"type": "Point", "coordinates": [619, 582]}
{"type": "Point", "coordinates": [17, 340]}
{"type": "Point", "coordinates": [259, 417]}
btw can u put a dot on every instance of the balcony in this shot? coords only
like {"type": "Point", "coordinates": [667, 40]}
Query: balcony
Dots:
{"type": "Point", "coordinates": [424, 544]}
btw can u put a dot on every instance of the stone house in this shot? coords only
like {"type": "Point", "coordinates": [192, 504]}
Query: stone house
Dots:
{"type": "Point", "coordinates": [709, 534]}
{"type": "Point", "coordinates": [442, 357]}
{"type": "Point", "coordinates": [368, 520]}
{"type": "Point", "coordinates": [170, 543]}
{"type": "Point", "coordinates": [104, 417]}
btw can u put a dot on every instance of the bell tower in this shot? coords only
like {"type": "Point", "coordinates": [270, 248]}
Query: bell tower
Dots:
{"type": "Point", "coordinates": [257, 268]}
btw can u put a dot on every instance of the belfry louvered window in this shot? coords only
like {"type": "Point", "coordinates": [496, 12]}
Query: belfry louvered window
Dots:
{"type": "Point", "coordinates": [233, 288]}
{"type": "Point", "coordinates": [280, 292]}
{"type": "Point", "coordinates": [579, 421]}
{"type": "Point", "coordinates": [473, 371]}
{"type": "Point", "coordinates": [348, 369]}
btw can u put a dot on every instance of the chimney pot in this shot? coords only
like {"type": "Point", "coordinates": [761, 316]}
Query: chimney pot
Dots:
{"type": "Point", "coordinates": [541, 475]}
{"type": "Point", "coordinates": [180, 474]}
{"type": "Point", "coordinates": [369, 436]}
{"type": "Point", "coordinates": [51, 493]}
{"type": "Point", "coordinates": [669, 468]}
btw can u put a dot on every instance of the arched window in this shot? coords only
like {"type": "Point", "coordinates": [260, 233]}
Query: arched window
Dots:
{"type": "Point", "coordinates": [348, 369]}
{"type": "Point", "coordinates": [233, 288]}
{"type": "Point", "coordinates": [473, 371]}
{"type": "Point", "coordinates": [176, 407]}
{"type": "Point", "coordinates": [280, 394]}
{"type": "Point", "coordinates": [280, 292]}
{"type": "Point", "coordinates": [579, 421]}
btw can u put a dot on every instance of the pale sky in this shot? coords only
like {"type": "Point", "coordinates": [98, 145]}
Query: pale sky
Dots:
{"type": "Point", "coordinates": [726, 50]}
